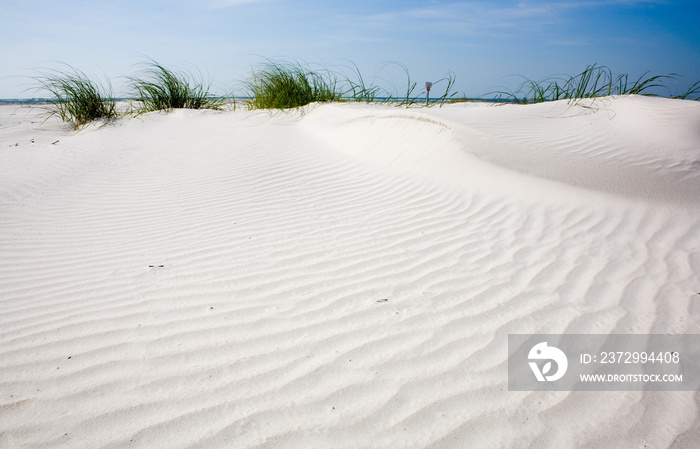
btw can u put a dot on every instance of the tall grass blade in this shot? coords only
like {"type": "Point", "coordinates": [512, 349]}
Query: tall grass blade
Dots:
{"type": "Point", "coordinates": [693, 90]}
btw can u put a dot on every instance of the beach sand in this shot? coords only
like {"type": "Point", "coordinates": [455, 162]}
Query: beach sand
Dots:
{"type": "Point", "coordinates": [345, 277]}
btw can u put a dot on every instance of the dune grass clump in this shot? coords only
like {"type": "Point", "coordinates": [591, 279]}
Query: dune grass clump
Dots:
{"type": "Point", "coordinates": [77, 99]}
{"type": "Point", "coordinates": [290, 85]}
{"type": "Point", "coordinates": [358, 90]}
{"type": "Point", "coordinates": [595, 81]}
{"type": "Point", "coordinates": [160, 88]}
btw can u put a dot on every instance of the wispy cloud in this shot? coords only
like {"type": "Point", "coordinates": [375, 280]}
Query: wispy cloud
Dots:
{"type": "Point", "coordinates": [493, 18]}
{"type": "Point", "coordinates": [221, 4]}
{"type": "Point", "coordinates": [471, 17]}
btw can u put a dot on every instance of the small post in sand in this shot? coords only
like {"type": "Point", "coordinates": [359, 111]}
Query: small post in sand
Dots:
{"type": "Point", "coordinates": [428, 85]}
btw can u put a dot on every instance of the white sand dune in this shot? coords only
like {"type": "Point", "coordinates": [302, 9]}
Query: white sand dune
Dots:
{"type": "Point", "coordinates": [343, 278]}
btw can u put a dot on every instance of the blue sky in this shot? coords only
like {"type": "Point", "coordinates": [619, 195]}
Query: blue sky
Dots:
{"type": "Point", "coordinates": [484, 43]}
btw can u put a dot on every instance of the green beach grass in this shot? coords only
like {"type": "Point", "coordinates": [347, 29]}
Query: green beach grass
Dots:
{"type": "Point", "coordinates": [358, 89]}
{"type": "Point", "coordinates": [77, 99]}
{"type": "Point", "coordinates": [595, 81]}
{"type": "Point", "coordinates": [286, 85]}
{"type": "Point", "coordinates": [160, 88]}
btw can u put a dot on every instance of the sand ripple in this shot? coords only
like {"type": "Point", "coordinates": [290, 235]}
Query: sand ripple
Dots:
{"type": "Point", "coordinates": [205, 279]}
